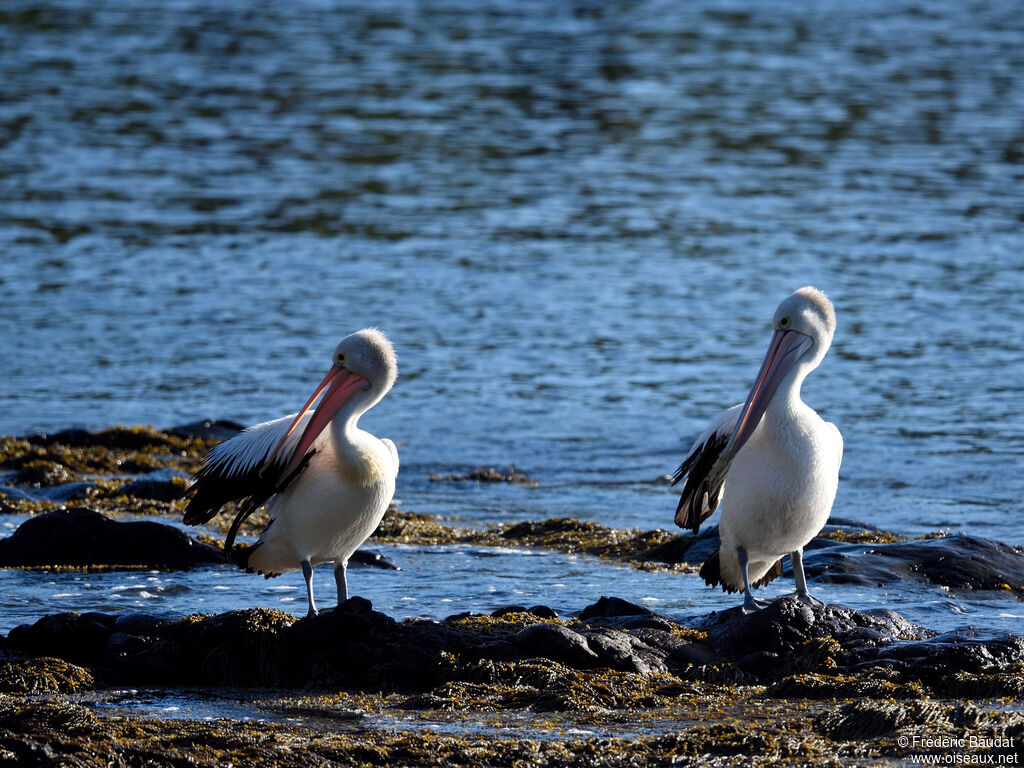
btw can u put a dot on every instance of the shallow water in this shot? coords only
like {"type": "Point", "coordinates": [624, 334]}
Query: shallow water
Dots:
{"type": "Point", "coordinates": [436, 582]}
{"type": "Point", "coordinates": [574, 220]}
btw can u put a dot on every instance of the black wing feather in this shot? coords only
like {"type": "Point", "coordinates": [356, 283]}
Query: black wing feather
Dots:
{"type": "Point", "coordinates": [213, 487]}
{"type": "Point", "coordinates": [702, 486]}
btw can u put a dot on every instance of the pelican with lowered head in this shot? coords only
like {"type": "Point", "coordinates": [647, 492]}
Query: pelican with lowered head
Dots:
{"type": "Point", "coordinates": [773, 461]}
{"type": "Point", "coordinates": [326, 482]}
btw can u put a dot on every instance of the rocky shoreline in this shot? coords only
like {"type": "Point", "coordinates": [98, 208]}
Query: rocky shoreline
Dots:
{"type": "Point", "coordinates": [612, 684]}
{"type": "Point", "coordinates": [791, 684]}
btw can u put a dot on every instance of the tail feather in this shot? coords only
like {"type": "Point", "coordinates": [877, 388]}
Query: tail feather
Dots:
{"type": "Point", "coordinates": [711, 572]}
{"type": "Point", "coordinates": [773, 573]}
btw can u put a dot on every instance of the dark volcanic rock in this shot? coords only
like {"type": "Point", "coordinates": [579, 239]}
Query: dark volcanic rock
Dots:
{"type": "Point", "coordinates": [788, 636]}
{"type": "Point", "coordinates": [82, 537]}
{"type": "Point", "coordinates": [56, 493]}
{"type": "Point", "coordinates": [962, 650]}
{"type": "Point", "coordinates": [351, 645]}
{"type": "Point", "coordinates": [118, 438]}
{"type": "Point", "coordinates": [208, 429]}
{"type": "Point", "coordinates": [553, 641]}
{"type": "Point", "coordinates": [159, 485]}
{"type": "Point", "coordinates": [622, 614]}
{"type": "Point", "coordinates": [77, 637]}
{"type": "Point", "coordinates": [356, 646]}
{"type": "Point", "coordinates": [606, 607]}
{"type": "Point", "coordinates": [373, 560]}
{"type": "Point", "coordinates": [959, 562]}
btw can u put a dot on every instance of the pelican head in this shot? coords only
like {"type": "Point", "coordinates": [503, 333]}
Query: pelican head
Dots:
{"type": "Point", "coordinates": [364, 368]}
{"type": "Point", "coordinates": [369, 355]}
{"type": "Point", "coordinates": [803, 325]}
{"type": "Point", "coordinates": [808, 311]}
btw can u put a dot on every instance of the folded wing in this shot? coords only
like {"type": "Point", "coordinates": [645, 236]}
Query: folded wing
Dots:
{"type": "Point", "coordinates": [234, 471]}
{"type": "Point", "coordinates": [703, 480]}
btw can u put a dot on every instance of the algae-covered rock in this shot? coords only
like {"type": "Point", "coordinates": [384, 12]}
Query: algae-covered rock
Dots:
{"type": "Point", "coordinates": [487, 475]}
{"type": "Point", "coordinates": [43, 675]}
{"type": "Point", "coordinates": [210, 430]}
{"type": "Point", "coordinates": [160, 485]}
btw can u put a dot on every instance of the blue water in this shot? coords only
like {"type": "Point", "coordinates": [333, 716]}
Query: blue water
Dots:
{"type": "Point", "coordinates": [573, 219]}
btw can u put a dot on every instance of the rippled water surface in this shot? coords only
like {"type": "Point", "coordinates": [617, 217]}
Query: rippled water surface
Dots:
{"type": "Point", "coordinates": [574, 220]}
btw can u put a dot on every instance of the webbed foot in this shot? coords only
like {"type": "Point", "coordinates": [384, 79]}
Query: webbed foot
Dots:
{"type": "Point", "coordinates": [752, 604]}
{"type": "Point", "coordinates": [807, 599]}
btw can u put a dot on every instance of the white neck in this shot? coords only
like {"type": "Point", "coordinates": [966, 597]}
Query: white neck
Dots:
{"type": "Point", "coordinates": [786, 400]}
{"type": "Point", "coordinates": [345, 431]}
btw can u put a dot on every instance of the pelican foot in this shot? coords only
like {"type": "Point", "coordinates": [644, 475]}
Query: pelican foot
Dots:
{"type": "Point", "coordinates": [752, 604]}
{"type": "Point", "coordinates": [807, 599]}
{"type": "Point", "coordinates": [312, 612]}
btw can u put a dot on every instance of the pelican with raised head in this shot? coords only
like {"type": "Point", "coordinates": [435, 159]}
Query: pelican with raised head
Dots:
{"type": "Point", "coordinates": [326, 485]}
{"type": "Point", "coordinates": [773, 461]}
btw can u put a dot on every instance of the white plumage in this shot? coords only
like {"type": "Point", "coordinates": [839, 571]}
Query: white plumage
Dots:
{"type": "Point", "coordinates": [772, 461]}
{"type": "Point", "coordinates": [326, 482]}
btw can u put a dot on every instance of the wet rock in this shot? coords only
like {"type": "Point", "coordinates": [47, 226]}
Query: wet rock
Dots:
{"type": "Point", "coordinates": [622, 614]}
{"type": "Point", "coordinates": [702, 547]}
{"type": "Point", "coordinates": [160, 485]}
{"type": "Point", "coordinates": [73, 437]}
{"type": "Point", "coordinates": [78, 638]}
{"type": "Point", "coordinates": [788, 637]}
{"type": "Point", "coordinates": [613, 606]}
{"type": "Point", "coordinates": [935, 658]}
{"type": "Point", "coordinates": [214, 430]}
{"type": "Point", "coordinates": [64, 493]}
{"type": "Point", "coordinates": [625, 652]}
{"type": "Point", "coordinates": [82, 537]}
{"type": "Point", "coordinates": [53, 493]}
{"type": "Point", "coordinates": [119, 438]}
{"type": "Point", "coordinates": [372, 559]}
{"type": "Point", "coordinates": [680, 652]}
{"type": "Point", "coordinates": [671, 551]}
{"type": "Point", "coordinates": [810, 653]}
{"type": "Point", "coordinates": [553, 641]}
{"type": "Point", "coordinates": [959, 562]}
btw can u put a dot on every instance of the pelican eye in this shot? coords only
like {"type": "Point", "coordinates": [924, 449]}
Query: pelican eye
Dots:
{"type": "Point", "coordinates": [784, 323]}
{"type": "Point", "coordinates": [340, 359]}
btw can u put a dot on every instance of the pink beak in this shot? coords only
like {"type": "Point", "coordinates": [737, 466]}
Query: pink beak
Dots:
{"type": "Point", "coordinates": [340, 384]}
{"type": "Point", "coordinates": [785, 349]}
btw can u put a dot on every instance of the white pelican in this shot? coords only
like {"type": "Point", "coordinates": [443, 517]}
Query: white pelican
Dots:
{"type": "Point", "coordinates": [328, 490]}
{"type": "Point", "coordinates": [773, 461]}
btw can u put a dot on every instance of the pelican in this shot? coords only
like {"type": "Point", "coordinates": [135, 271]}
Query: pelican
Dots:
{"type": "Point", "coordinates": [773, 461]}
{"type": "Point", "coordinates": [327, 486]}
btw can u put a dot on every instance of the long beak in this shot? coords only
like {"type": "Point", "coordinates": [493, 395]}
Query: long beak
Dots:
{"type": "Point", "coordinates": [784, 350]}
{"type": "Point", "coordinates": [340, 384]}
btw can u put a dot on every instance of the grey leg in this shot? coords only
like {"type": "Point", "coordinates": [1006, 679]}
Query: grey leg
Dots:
{"type": "Point", "coordinates": [801, 594]}
{"type": "Point", "coordinates": [341, 579]}
{"type": "Point", "coordinates": [750, 605]}
{"type": "Point", "coordinates": [307, 574]}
